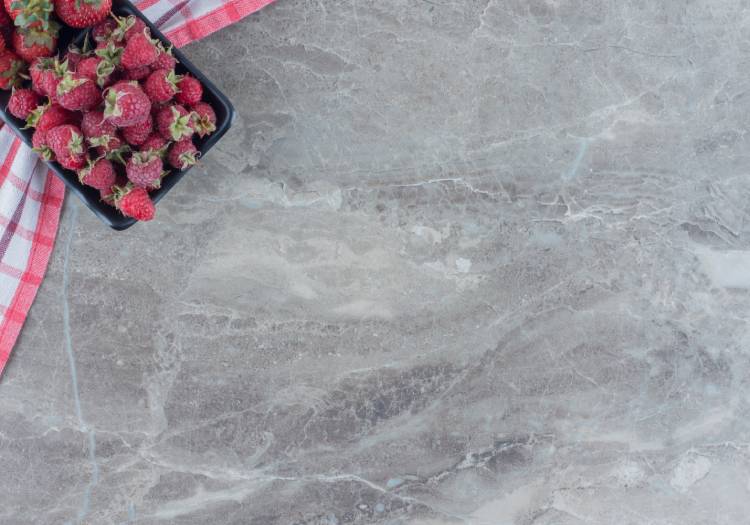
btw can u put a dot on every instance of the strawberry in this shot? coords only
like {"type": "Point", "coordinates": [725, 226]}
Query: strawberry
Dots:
{"type": "Point", "coordinates": [66, 140]}
{"type": "Point", "coordinates": [31, 43]}
{"type": "Point", "coordinates": [102, 32]}
{"type": "Point", "coordinates": [99, 174]}
{"type": "Point", "coordinates": [174, 122]}
{"type": "Point", "coordinates": [76, 92]}
{"type": "Point", "coordinates": [182, 154]}
{"type": "Point", "coordinates": [155, 142]}
{"type": "Point", "coordinates": [99, 133]}
{"type": "Point", "coordinates": [28, 13]}
{"type": "Point", "coordinates": [144, 169]}
{"type": "Point", "coordinates": [22, 102]}
{"type": "Point", "coordinates": [133, 202]}
{"type": "Point", "coordinates": [39, 143]}
{"type": "Point", "coordinates": [49, 116]}
{"type": "Point", "coordinates": [127, 27]}
{"type": "Point", "coordinates": [137, 134]}
{"type": "Point", "coordinates": [137, 73]}
{"type": "Point", "coordinates": [161, 85]}
{"type": "Point", "coordinates": [139, 51]}
{"type": "Point", "coordinates": [165, 59]}
{"type": "Point", "coordinates": [12, 70]}
{"type": "Point", "coordinates": [204, 119]}
{"type": "Point", "coordinates": [2, 40]}
{"type": "Point", "coordinates": [191, 90]}
{"type": "Point", "coordinates": [82, 13]}
{"type": "Point", "coordinates": [126, 104]}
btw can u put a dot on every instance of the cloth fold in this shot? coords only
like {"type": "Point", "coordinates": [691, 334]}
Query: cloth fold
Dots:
{"type": "Point", "coordinates": [31, 196]}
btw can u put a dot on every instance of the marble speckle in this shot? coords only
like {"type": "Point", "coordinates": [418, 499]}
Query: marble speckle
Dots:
{"type": "Point", "coordinates": [474, 262]}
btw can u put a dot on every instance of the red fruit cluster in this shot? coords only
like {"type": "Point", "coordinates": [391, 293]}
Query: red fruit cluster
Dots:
{"type": "Point", "coordinates": [116, 112]}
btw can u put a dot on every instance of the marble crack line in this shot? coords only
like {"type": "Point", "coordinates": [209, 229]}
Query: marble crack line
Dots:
{"type": "Point", "coordinates": [68, 340]}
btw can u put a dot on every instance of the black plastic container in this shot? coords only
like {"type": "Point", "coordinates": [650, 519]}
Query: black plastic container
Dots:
{"type": "Point", "coordinates": [219, 102]}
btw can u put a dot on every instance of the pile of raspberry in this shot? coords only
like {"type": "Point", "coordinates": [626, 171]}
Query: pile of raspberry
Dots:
{"type": "Point", "coordinates": [115, 112]}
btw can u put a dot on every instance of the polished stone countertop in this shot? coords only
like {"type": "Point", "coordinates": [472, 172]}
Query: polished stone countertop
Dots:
{"type": "Point", "coordinates": [458, 261]}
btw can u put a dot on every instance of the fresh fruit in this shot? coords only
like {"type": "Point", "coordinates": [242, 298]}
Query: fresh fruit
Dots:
{"type": "Point", "coordinates": [155, 142]}
{"type": "Point", "coordinates": [161, 85]}
{"type": "Point", "coordinates": [77, 93]}
{"type": "Point", "coordinates": [126, 104]}
{"type": "Point", "coordinates": [100, 133]}
{"type": "Point", "coordinates": [127, 27]}
{"type": "Point", "coordinates": [82, 13]}
{"type": "Point", "coordinates": [72, 162]}
{"type": "Point", "coordinates": [137, 134]}
{"type": "Point", "coordinates": [22, 102]}
{"type": "Point", "coordinates": [39, 143]}
{"type": "Point", "coordinates": [134, 202]}
{"type": "Point", "coordinates": [139, 51]}
{"type": "Point", "coordinates": [12, 70]}
{"type": "Point", "coordinates": [74, 55]}
{"type": "Point", "coordinates": [45, 74]}
{"type": "Point", "coordinates": [49, 116]}
{"type": "Point", "coordinates": [204, 119]}
{"type": "Point", "coordinates": [101, 67]}
{"type": "Point", "coordinates": [99, 174]}
{"type": "Point", "coordinates": [191, 90]}
{"type": "Point", "coordinates": [174, 122]}
{"type": "Point", "coordinates": [144, 169]}
{"type": "Point", "coordinates": [2, 40]}
{"type": "Point", "coordinates": [165, 59]}
{"type": "Point", "coordinates": [31, 43]}
{"type": "Point", "coordinates": [102, 32]}
{"type": "Point", "coordinates": [182, 154]}
{"type": "Point", "coordinates": [137, 73]}
{"type": "Point", "coordinates": [66, 140]}
{"type": "Point", "coordinates": [29, 13]}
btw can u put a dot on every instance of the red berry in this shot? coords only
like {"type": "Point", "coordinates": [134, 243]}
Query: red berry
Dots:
{"type": "Point", "coordinates": [102, 31]}
{"type": "Point", "coordinates": [154, 142]}
{"type": "Point", "coordinates": [32, 43]}
{"type": "Point", "coordinates": [73, 162]}
{"type": "Point", "coordinates": [126, 104]}
{"type": "Point", "coordinates": [49, 116]}
{"type": "Point", "coordinates": [82, 13]}
{"type": "Point", "coordinates": [87, 67]}
{"type": "Point", "coordinates": [11, 69]}
{"type": "Point", "coordinates": [99, 133]}
{"type": "Point", "coordinates": [191, 90]}
{"type": "Point", "coordinates": [174, 122]}
{"type": "Point", "coordinates": [182, 154]}
{"type": "Point", "coordinates": [161, 85]}
{"type": "Point", "coordinates": [39, 144]}
{"type": "Point", "coordinates": [204, 119]}
{"type": "Point", "coordinates": [137, 73]}
{"type": "Point", "coordinates": [134, 202]}
{"type": "Point", "coordinates": [99, 174]}
{"type": "Point", "coordinates": [139, 51]}
{"type": "Point", "coordinates": [27, 12]}
{"type": "Point", "coordinates": [66, 140]}
{"type": "Point", "coordinates": [22, 102]}
{"type": "Point", "coordinates": [137, 134]}
{"type": "Point", "coordinates": [165, 59]}
{"type": "Point", "coordinates": [76, 92]}
{"type": "Point", "coordinates": [144, 169]}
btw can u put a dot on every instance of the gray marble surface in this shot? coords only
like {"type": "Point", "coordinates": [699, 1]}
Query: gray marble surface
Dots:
{"type": "Point", "coordinates": [459, 261]}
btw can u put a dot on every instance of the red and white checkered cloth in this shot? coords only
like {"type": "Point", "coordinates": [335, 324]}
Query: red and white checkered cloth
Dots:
{"type": "Point", "coordinates": [31, 196]}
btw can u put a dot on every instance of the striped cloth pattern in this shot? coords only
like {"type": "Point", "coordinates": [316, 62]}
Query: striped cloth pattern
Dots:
{"type": "Point", "coordinates": [31, 197]}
